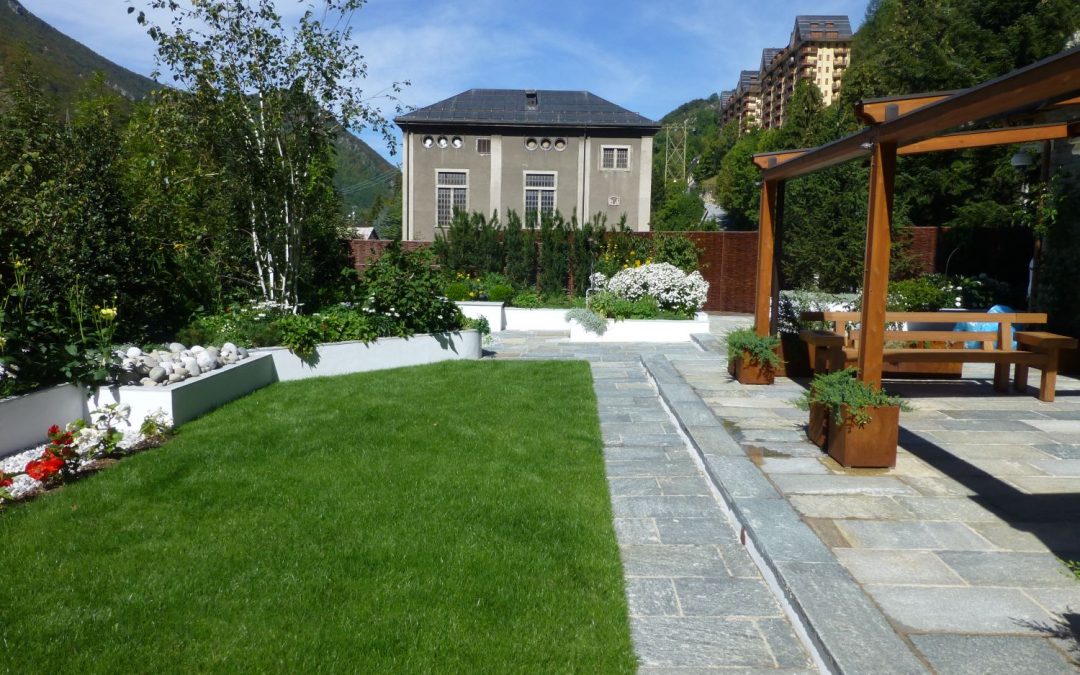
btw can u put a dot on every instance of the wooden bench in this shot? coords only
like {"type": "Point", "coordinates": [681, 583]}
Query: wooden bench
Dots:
{"type": "Point", "coordinates": [833, 349]}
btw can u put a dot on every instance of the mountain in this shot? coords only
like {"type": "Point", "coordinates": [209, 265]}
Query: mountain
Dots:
{"type": "Point", "coordinates": [65, 66]}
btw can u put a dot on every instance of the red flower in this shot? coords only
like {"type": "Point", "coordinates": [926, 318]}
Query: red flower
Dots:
{"type": "Point", "coordinates": [5, 480]}
{"type": "Point", "coordinates": [54, 430]}
{"type": "Point", "coordinates": [44, 468]}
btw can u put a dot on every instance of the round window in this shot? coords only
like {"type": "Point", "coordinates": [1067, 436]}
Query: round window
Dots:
{"type": "Point", "coordinates": [560, 144]}
{"type": "Point", "coordinates": [456, 142]}
{"type": "Point", "coordinates": [530, 143]}
{"type": "Point", "coordinates": [443, 142]}
{"type": "Point", "coordinates": [428, 141]}
{"type": "Point", "coordinates": [545, 144]}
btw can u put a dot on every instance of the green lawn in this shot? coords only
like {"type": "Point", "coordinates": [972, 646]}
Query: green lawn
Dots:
{"type": "Point", "coordinates": [449, 518]}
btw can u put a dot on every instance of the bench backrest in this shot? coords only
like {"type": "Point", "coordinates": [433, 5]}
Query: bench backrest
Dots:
{"type": "Point", "coordinates": [1001, 338]}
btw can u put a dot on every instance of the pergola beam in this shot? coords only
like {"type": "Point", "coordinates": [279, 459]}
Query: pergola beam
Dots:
{"type": "Point", "coordinates": [878, 110]}
{"type": "Point", "coordinates": [957, 141]}
{"type": "Point", "coordinates": [982, 139]}
{"type": "Point", "coordinates": [1049, 80]}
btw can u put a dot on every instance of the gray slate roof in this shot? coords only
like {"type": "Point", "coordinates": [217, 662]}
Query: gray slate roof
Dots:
{"type": "Point", "coordinates": [504, 107]}
{"type": "Point", "coordinates": [840, 25]}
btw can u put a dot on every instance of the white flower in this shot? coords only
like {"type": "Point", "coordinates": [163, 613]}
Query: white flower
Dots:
{"type": "Point", "coordinates": [671, 287]}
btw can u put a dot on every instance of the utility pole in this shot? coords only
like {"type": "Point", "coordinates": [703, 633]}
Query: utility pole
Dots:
{"type": "Point", "coordinates": [675, 152]}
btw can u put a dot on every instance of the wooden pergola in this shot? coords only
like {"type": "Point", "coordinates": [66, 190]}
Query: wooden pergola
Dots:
{"type": "Point", "coordinates": [908, 125]}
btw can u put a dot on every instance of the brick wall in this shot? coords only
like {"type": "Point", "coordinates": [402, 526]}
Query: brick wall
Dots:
{"type": "Point", "coordinates": [366, 251]}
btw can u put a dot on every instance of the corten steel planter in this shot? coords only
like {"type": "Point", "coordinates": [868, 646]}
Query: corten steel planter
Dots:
{"type": "Point", "coordinates": [818, 428]}
{"type": "Point", "coordinates": [747, 373]}
{"type": "Point", "coordinates": [872, 446]}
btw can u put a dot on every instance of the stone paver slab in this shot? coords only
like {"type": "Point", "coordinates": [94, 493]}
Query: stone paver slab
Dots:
{"type": "Point", "coordinates": [672, 561]}
{"type": "Point", "coordinates": [841, 485]}
{"type": "Point", "coordinates": [693, 506]}
{"type": "Point", "coordinates": [726, 597]}
{"type": "Point", "coordinates": [651, 597]}
{"type": "Point", "coordinates": [911, 535]}
{"type": "Point", "coordinates": [959, 610]}
{"type": "Point", "coordinates": [636, 531]}
{"type": "Point", "coordinates": [897, 567]}
{"type": "Point", "coordinates": [849, 506]}
{"type": "Point", "coordinates": [700, 641]}
{"type": "Point", "coordinates": [1000, 568]}
{"type": "Point", "coordinates": [982, 654]}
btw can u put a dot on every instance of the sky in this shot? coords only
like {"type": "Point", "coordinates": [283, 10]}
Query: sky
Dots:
{"type": "Point", "coordinates": [649, 57]}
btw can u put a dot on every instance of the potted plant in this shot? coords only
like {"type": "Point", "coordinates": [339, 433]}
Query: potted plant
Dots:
{"type": "Point", "coordinates": [863, 421]}
{"type": "Point", "coordinates": [754, 357]}
{"type": "Point", "coordinates": [812, 401]}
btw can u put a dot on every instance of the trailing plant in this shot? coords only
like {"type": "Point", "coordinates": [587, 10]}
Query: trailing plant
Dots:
{"type": "Point", "coordinates": [841, 388]}
{"type": "Point", "coordinates": [479, 323]}
{"type": "Point", "coordinates": [759, 351]}
{"type": "Point", "coordinates": [589, 320]}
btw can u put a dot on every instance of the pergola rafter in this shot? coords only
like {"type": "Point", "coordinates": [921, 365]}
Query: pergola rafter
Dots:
{"type": "Point", "coordinates": [907, 125]}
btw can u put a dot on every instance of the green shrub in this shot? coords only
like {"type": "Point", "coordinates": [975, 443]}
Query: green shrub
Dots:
{"type": "Point", "coordinates": [527, 300]}
{"type": "Point", "coordinates": [457, 291]}
{"type": "Point", "coordinates": [500, 293]}
{"type": "Point", "coordinates": [842, 388]}
{"type": "Point", "coordinates": [676, 249]}
{"type": "Point", "coordinates": [761, 351]}
{"type": "Point", "coordinates": [615, 307]}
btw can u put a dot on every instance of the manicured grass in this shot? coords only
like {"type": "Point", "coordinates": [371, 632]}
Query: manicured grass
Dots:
{"type": "Point", "coordinates": [450, 518]}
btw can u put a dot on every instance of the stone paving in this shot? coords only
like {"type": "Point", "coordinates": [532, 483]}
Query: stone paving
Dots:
{"type": "Point", "coordinates": [697, 601]}
{"type": "Point", "coordinates": [949, 563]}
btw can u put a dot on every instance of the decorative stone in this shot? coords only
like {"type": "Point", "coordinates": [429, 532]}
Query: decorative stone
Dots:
{"type": "Point", "coordinates": [176, 347]}
{"type": "Point", "coordinates": [242, 352]}
{"type": "Point", "coordinates": [197, 348]}
{"type": "Point", "coordinates": [147, 382]}
{"type": "Point", "coordinates": [151, 362]}
{"type": "Point", "coordinates": [228, 347]}
{"type": "Point", "coordinates": [205, 361]}
{"type": "Point", "coordinates": [158, 374]}
{"type": "Point", "coordinates": [173, 377]}
{"type": "Point", "coordinates": [134, 352]}
{"type": "Point", "coordinates": [192, 366]}
{"type": "Point", "coordinates": [180, 372]}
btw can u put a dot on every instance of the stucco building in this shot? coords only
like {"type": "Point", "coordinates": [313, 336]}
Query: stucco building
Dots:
{"type": "Point", "coordinates": [532, 152]}
{"type": "Point", "coordinates": [819, 51]}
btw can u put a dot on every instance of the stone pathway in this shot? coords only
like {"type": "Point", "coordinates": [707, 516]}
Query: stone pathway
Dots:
{"type": "Point", "coordinates": [949, 563]}
{"type": "Point", "coordinates": [697, 600]}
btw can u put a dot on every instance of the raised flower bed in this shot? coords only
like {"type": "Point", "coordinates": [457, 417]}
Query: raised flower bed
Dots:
{"type": "Point", "coordinates": [643, 330]}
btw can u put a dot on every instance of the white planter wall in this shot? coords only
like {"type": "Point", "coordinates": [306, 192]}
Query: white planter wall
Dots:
{"type": "Point", "coordinates": [184, 401]}
{"type": "Point", "coordinates": [342, 358]}
{"type": "Point", "coordinates": [635, 330]}
{"type": "Point", "coordinates": [518, 318]}
{"type": "Point", "coordinates": [25, 420]}
{"type": "Point", "coordinates": [492, 311]}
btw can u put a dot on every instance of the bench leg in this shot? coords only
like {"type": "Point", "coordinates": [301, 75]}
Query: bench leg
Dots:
{"type": "Point", "coordinates": [1001, 377]}
{"type": "Point", "coordinates": [1020, 379]}
{"type": "Point", "coordinates": [836, 359]}
{"type": "Point", "coordinates": [1048, 382]}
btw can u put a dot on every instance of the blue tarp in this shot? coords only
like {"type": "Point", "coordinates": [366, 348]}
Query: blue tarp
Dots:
{"type": "Point", "coordinates": [983, 326]}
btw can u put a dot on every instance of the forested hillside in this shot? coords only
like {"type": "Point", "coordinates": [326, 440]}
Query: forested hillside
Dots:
{"type": "Point", "coordinates": [64, 67]}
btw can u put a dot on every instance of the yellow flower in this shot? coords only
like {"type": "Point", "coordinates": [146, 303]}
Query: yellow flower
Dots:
{"type": "Point", "coordinates": [108, 313]}
{"type": "Point", "coordinates": [19, 264]}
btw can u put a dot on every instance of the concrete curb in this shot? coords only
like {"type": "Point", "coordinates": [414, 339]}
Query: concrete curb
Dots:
{"type": "Point", "coordinates": [848, 630]}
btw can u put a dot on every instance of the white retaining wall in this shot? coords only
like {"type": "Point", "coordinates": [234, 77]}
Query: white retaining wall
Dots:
{"type": "Point", "coordinates": [24, 420]}
{"type": "Point", "coordinates": [492, 311]}
{"type": "Point", "coordinates": [640, 330]}
{"type": "Point", "coordinates": [519, 318]}
{"type": "Point", "coordinates": [342, 358]}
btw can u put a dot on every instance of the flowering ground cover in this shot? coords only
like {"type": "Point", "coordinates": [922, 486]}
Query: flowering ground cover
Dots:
{"type": "Point", "coordinates": [449, 518]}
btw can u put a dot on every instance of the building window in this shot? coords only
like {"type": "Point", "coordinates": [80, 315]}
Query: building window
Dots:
{"type": "Point", "coordinates": [539, 195]}
{"type": "Point", "coordinates": [483, 146]}
{"type": "Point", "coordinates": [616, 157]}
{"type": "Point", "coordinates": [451, 193]}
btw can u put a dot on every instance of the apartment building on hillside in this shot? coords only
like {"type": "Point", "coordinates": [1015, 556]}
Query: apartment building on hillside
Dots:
{"type": "Point", "coordinates": [819, 50]}
{"type": "Point", "coordinates": [743, 103]}
{"type": "Point", "coordinates": [531, 152]}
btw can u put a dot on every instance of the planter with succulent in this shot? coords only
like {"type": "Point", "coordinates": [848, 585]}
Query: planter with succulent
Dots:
{"type": "Point", "coordinates": [863, 421]}
{"type": "Point", "coordinates": [752, 359]}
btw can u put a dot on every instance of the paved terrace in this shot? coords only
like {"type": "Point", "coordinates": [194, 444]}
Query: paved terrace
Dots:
{"type": "Point", "coordinates": [746, 548]}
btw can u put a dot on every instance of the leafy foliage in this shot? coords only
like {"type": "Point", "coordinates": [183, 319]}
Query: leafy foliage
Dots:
{"type": "Point", "coordinates": [760, 351]}
{"type": "Point", "coordinates": [841, 388]}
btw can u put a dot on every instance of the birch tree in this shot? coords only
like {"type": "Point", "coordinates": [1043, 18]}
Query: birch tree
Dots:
{"type": "Point", "coordinates": [270, 96]}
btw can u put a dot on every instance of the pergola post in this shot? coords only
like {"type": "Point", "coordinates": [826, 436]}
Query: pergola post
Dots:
{"type": "Point", "coordinates": [876, 269]}
{"type": "Point", "coordinates": [778, 254]}
{"type": "Point", "coordinates": [767, 219]}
